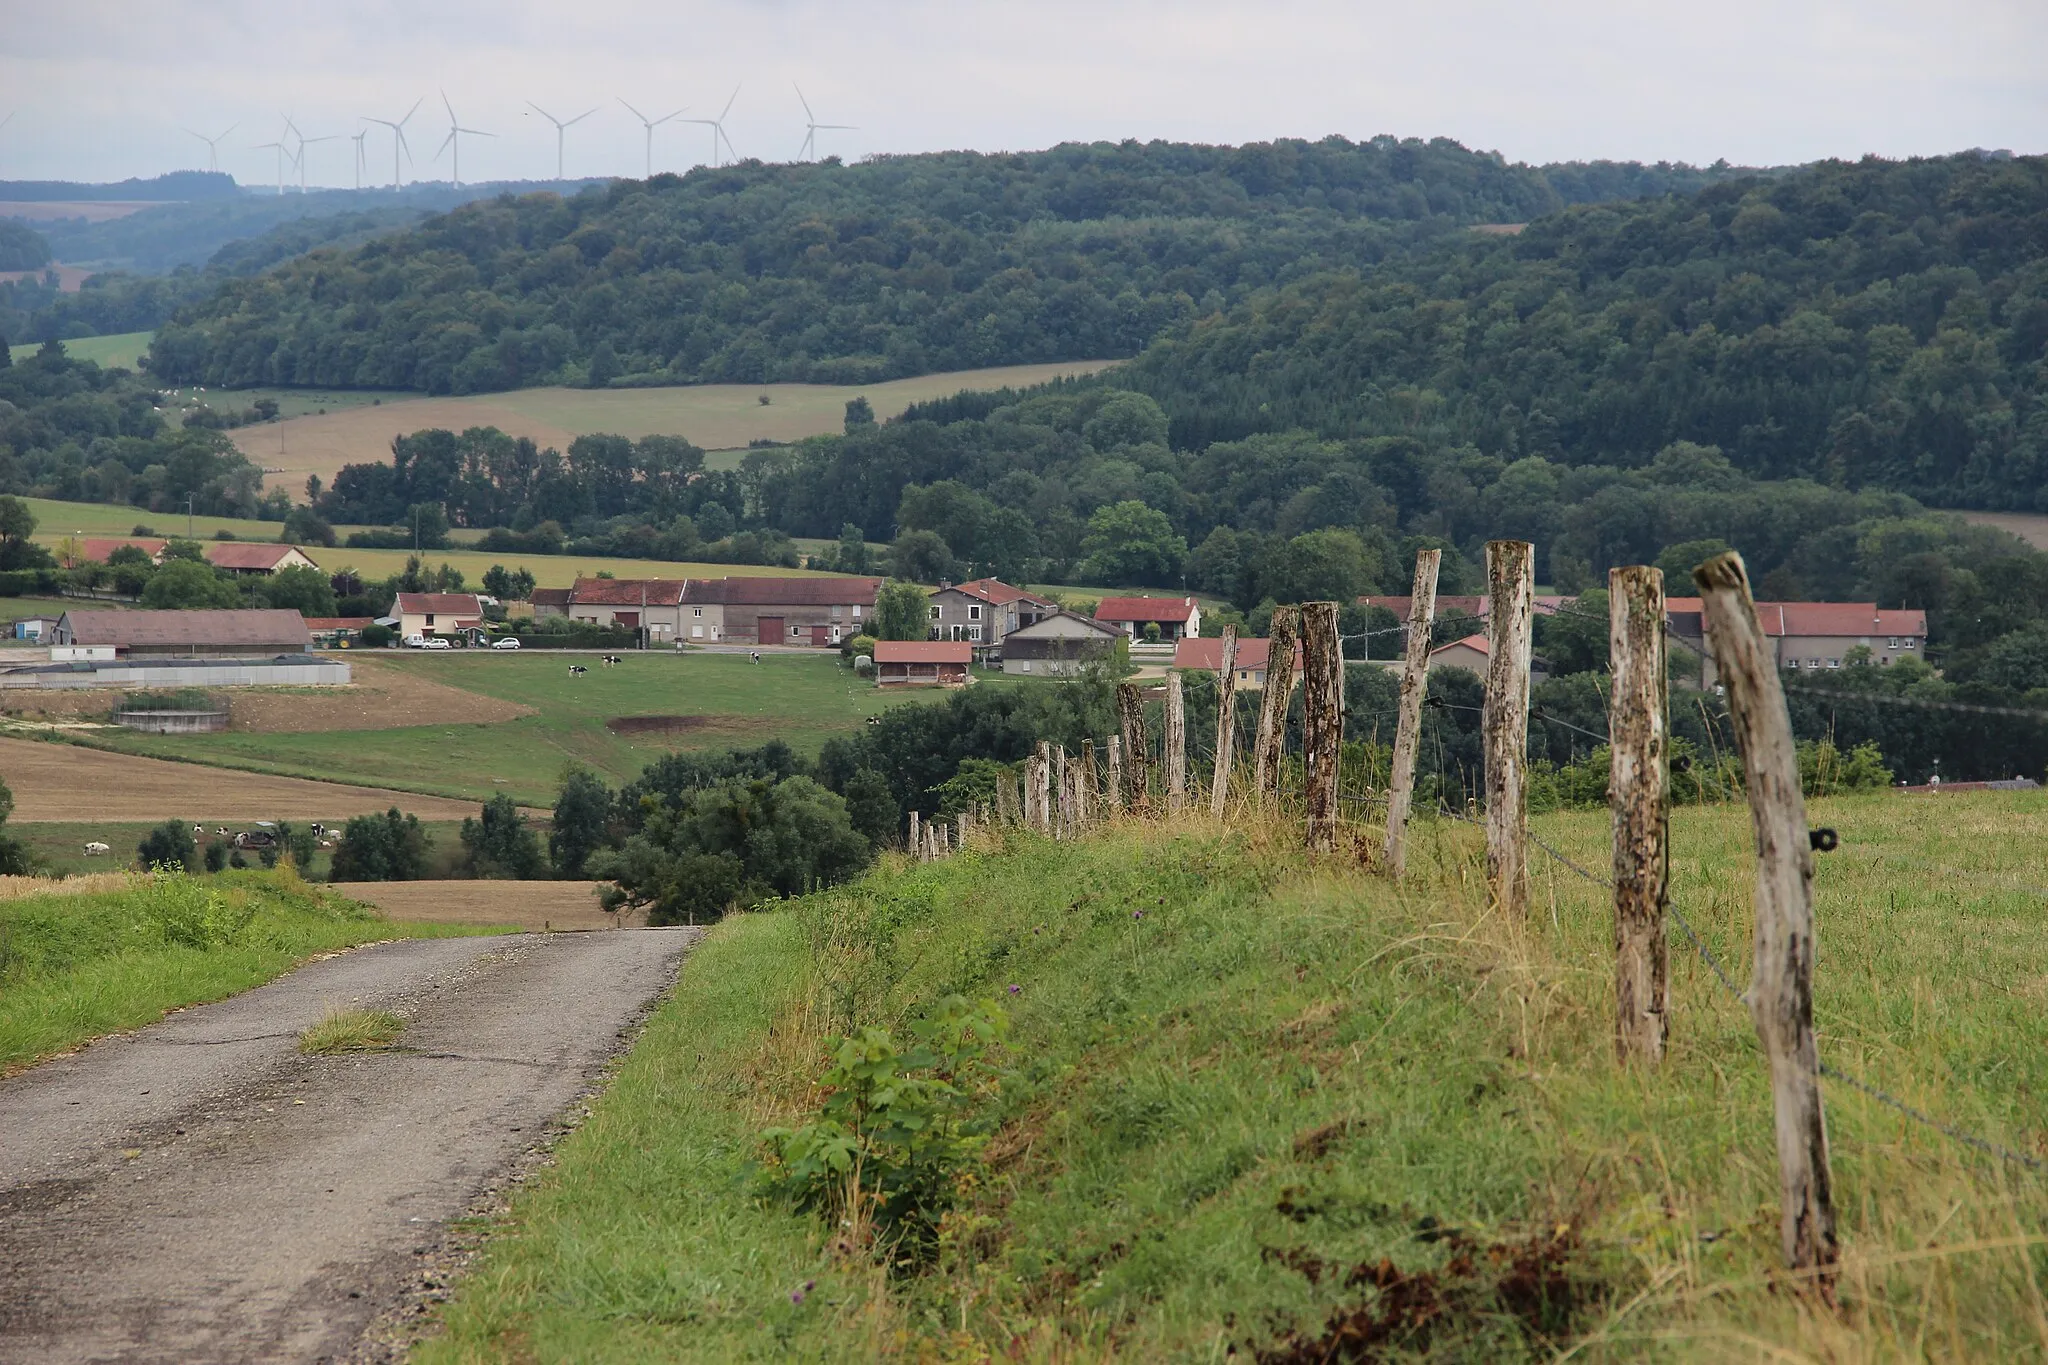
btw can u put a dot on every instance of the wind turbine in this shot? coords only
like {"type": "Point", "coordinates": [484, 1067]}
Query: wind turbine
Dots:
{"type": "Point", "coordinates": [560, 129]}
{"type": "Point", "coordinates": [398, 142]}
{"type": "Point", "coordinates": [811, 127]}
{"type": "Point", "coordinates": [305, 142]}
{"type": "Point", "coordinates": [362, 156]}
{"type": "Point", "coordinates": [281, 149]}
{"type": "Point", "coordinates": [455, 131]}
{"type": "Point", "coordinates": [651, 125]}
{"type": "Point", "coordinates": [212, 143]}
{"type": "Point", "coordinates": [717, 126]}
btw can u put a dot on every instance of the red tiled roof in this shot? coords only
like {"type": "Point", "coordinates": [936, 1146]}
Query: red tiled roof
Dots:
{"type": "Point", "coordinates": [1145, 609]}
{"type": "Point", "coordinates": [438, 604]}
{"type": "Point", "coordinates": [923, 652]}
{"type": "Point", "coordinates": [96, 550]}
{"type": "Point", "coordinates": [625, 592]}
{"type": "Point", "coordinates": [550, 597]}
{"type": "Point", "coordinates": [1445, 606]}
{"type": "Point", "coordinates": [1207, 655]}
{"type": "Point", "coordinates": [997, 593]}
{"type": "Point", "coordinates": [228, 554]}
{"type": "Point", "coordinates": [1809, 619]}
{"type": "Point", "coordinates": [1477, 642]}
{"type": "Point", "coordinates": [197, 629]}
{"type": "Point", "coordinates": [785, 592]}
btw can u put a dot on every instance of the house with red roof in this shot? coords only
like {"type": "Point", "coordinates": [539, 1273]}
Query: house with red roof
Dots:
{"type": "Point", "coordinates": [1206, 656]}
{"type": "Point", "coordinates": [256, 557]}
{"type": "Point", "coordinates": [1176, 617]}
{"type": "Point", "coordinates": [99, 549]}
{"type": "Point", "coordinates": [654, 605]}
{"type": "Point", "coordinates": [453, 614]}
{"type": "Point", "coordinates": [984, 611]}
{"type": "Point", "coordinates": [1811, 635]}
{"type": "Point", "coordinates": [819, 611]}
{"type": "Point", "coordinates": [922, 663]}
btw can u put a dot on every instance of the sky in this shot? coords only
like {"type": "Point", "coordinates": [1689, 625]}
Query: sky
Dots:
{"type": "Point", "coordinates": [106, 89]}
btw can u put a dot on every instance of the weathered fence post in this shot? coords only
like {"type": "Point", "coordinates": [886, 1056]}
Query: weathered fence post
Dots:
{"type": "Point", "coordinates": [1137, 747]}
{"type": "Point", "coordinates": [1511, 600]}
{"type": "Point", "coordinates": [1781, 983]}
{"type": "Point", "coordinates": [1408, 729]}
{"type": "Point", "coordinates": [915, 843]}
{"type": "Point", "coordinates": [1041, 783]}
{"type": "Point", "coordinates": [1638, 749]}
{"type": "Point", "coordinates": [1084, 785]}
{"type": "Point", "coordinates": [1176, 744]}
{"type": "Point", "coordinates": [965, 827]}
{"type": "Point", "coordinates": [1226, 723]}
{"type": "Point", "coordinates": [1113, 790]}
{"type": "Point", "coordinates": [1063, 794]}
{"type": "Point", "coordinates": [1272, 734]}
{"type": "Point", "coordinates": [1322, 702]}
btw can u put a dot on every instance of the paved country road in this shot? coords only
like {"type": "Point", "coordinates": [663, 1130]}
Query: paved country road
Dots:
{"type": "Point", "coordinates": [201, 1191]}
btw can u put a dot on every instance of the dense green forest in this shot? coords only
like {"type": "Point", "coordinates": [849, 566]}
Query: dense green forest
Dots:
{"type": "Point", "coordinates": [21, 247]}
{"type": "Point", "coordinates": [897, 266]}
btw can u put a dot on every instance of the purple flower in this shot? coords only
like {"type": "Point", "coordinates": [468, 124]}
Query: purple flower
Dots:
{"type": "Point", "coordinates": [1137, 914]}
{"type": "Point", "coordinates": [796, 1296]}
{"type": "Point", "coordinates": [1015, 989]}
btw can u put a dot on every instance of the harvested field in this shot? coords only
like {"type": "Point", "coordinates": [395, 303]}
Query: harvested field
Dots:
{"type": "Point", "coordinates": [529, 905]}
{"type": "Point", "coordinates": [91, 210]}
{"type": "Point", "coordinates": [2032, 527]}
{"type": "Point", "coordinates": [66, 782]}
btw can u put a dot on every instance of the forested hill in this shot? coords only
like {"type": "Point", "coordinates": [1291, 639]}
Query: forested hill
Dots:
{"type": "Point", "coordinates": [1878, 324]}
{"type": "Point", "coordinates": [896, 266]}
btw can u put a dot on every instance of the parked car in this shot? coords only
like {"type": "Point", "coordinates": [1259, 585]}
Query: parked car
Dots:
{"type": "Point", "coordinates": [415, 642]}
{"type": "Point", "coordinates": [507, 642]}
{"type": "Point", "coordinates": [436, 642]}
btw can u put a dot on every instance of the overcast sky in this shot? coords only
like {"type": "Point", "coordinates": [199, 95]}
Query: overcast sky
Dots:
{"type": "Point", "coordinates": [104, 89]}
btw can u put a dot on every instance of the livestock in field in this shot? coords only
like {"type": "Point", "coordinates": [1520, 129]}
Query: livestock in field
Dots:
{"type": "Point", "coordinates": [96, 849]}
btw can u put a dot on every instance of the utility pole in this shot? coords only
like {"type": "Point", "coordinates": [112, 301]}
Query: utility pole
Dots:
{"type": "Point", "coordinates": [188, 516]}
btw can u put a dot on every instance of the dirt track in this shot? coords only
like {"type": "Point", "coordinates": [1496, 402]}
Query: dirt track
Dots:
{"type": "Point", "coordinates": [66, 782]}
{"type": "Point", "coordinates": [201, 1191]}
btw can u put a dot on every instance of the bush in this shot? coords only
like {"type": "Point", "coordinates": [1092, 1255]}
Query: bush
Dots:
{"type": "Point", "coordinates": [168, 845]}
{"type": "Point", "coordinates": [500, 844]}
{"type": "Point", "coordinates": [190, 915]}
{"type": "Point", "coordinates": [378, 637]}
{"type": "Point", "coordinates": [391, 847]}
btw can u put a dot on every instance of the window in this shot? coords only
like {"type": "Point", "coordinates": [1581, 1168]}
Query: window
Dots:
{"type": "Point", "coordinates": [974, 634]}
{"type": "Point", "coordinates": [837, 612]}
{"type": "Point", "coordinates": [1893, 642]}
{"type": "Point", "coordinates": [1834, 663]}
{"type": "Point", "coordinates": [935, 611]}
{"type": "Point", "coordinates": [856, 611]}
{"type": "Point", "coordinates": [1907, 644]}
{"type": "Point", "coordinates": [1023, 665]}
{"type": "Point", "coordinates": [796, 630]}
{"type": "Point", "coordinates": [696, 632]}
{"type": "Point", "coordinates": [974, 613]}
{"type": "Point", "coordinates": [430, 618]}
{"type": "Point", "coordinates": [696, 611]}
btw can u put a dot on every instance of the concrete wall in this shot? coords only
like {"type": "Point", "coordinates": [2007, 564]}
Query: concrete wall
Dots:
{"type": "Point", "coordinates": [218, 673]}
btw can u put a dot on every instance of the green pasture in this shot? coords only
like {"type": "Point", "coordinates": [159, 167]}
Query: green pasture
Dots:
{"type": "Point", "coordinates": [123, 351]}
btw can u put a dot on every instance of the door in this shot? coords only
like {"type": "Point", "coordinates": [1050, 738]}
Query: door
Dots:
{"type": "Point", "coordinates": [821, 636]}
{"type": "Point", "coordinates": [768, 630]}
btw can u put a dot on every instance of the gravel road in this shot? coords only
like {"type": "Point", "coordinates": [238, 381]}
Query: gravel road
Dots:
{"type": "Point", "coordinates": [201, 1191]}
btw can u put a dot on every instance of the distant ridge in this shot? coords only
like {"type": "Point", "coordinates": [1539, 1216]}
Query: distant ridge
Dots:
{"type": "Point", "coordinates": [173, 187]}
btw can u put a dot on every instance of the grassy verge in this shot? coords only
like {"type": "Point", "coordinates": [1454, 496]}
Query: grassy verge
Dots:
{"type": "Point", "coordinates": [75, 965]}
{"type": "Point", "coordinates": [343, 1030]}
{"type": "Point", "coordinates": [1282, 1111]}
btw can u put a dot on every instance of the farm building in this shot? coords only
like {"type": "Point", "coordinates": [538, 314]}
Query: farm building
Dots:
{"type": "Point", "coordinates": [437, 613]}
{"type": "Point", "coordinates": [550, 602]}
{"type": "Point", "coordinates": [984, 611]}
{"type": "Point", "coordinates": [107, 635]}
{"type": "Point", "coordinates": [253, 557]}
{"type": "Point", "coordinates": [1057, 645]}
{"type": "Point", "coordinates": [1206, 656]}
{"type": "Point", "coordinates": [654, 605]}
{"type": "Point", "coordinates": [34, 629]}
{"type": "Point", "coordinates": [778, 611]}
{"type": "Point", "coordinates": [1471, 654]}
{"type": "Point", "coordinates": [1812, 635]}
{"type": "Point", "coordinates": [1176, 617]}
{"type": "Point", "coordinates": [98, 550]}
{"type": "Point", "coordinates": [337, 632]}
{"type": "Point", "coordinates": [922, 663]}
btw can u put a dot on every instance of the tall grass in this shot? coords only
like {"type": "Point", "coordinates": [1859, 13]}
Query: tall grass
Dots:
{"type": "Point", "coordinates": [1232, 1069]}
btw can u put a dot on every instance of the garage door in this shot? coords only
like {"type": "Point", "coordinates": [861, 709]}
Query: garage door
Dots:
{"type": "Point", "coordinates": [769, 630]}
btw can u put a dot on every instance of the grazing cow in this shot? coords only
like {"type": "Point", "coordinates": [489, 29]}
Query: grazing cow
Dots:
{"type": "Point", "coordinates": [612, 659]}
{"type": "Point", "coordinates": [221, 832]}
{"type": "Point", "coordinates": [577, 670]}
{"type": "Point", "coordinates": [97, 850]}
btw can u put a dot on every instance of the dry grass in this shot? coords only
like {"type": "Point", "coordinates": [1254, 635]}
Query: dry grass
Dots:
{"type": "Point", "coordinates": [348, 1030]}
{"type": "Point", "coordinates": [548, 905]}
{"type": "Point", "coordinates": [90, 884]}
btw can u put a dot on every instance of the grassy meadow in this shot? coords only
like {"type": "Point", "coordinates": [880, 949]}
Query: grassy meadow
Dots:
{"type": "Point", "coordinates": [122, 351]}
{"type": "Point", "coordinates": [800, 699]}
{"type": "Point", "coordinates": [119, 951]}
{"type": "Point", "coordinates": [1298, 1113]}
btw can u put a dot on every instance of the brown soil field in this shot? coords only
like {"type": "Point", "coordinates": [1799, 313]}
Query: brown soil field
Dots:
{"type": "Point", "coordinates": [70, 278]}
{"type": "Point", "coordinates": [2032, 527]}
{"type": "Point", "coordinates": [91, 210]}
{"type": "Point", "coordinates": [381, 698]}
{"type": "Point", "coordinates": [69, 783]}
{"type": "Point", "coordinates": [714, 416]}
{"type": "Point", "coordinates": [529, 905]}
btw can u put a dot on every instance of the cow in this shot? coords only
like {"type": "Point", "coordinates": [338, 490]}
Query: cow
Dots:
{"type": "Point", "coordinates": [577, 670]}
{"type": "Point", "coordinates": [97, 850]}
{"type": "Point", "coordinates": [612, 659]}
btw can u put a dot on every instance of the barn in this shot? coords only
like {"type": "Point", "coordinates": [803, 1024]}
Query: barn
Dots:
{"type": "Point", "coordinates": [922, 663]}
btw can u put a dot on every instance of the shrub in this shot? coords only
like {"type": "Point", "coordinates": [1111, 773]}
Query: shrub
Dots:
{"type": "Point", "coordinates": [500, 844]}
{"type": "Point", "coordinates": [187, 913]}
{"type": "Point", "coordinates": [168, 845]}
{"type": "Point", "coordinates": [381, 848]}
{"type": "Point", "coordinates": [378, 637]}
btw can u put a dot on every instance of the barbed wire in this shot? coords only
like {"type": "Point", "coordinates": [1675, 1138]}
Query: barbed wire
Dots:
{"type": "Point", "coordinates": [1932, 703]}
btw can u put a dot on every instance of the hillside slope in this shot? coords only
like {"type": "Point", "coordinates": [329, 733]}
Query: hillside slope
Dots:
{"type": "Point", "coordinates": [1303, 1116]}
{"type": "Point", "coordinates": [847, 274]}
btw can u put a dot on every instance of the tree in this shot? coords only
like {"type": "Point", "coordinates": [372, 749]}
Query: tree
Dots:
{"type": "Point", "coordinates": [902, 612]}
{"type": "Point", "coordinates": [604, 365]}
{"type": "Point", "coordinates": [168, 845]}
{"type": "Point", "coordinates": [1129, 542]}
{"type": "Point", "coordinates": [923, 557]}
{"type": "Point", "coordinates": [1678, 562]}
{"type": "Point", "coordinates": [17, 524]}
{"type": "Point", "coordinates": [1320, 566]}
{"type": "Point", "coordinates": [859, 413]}
{"type": "Point", "coordinates": [582, 823]}
{"type": "Point", "coordinates": [15, 858]}
{"type": "Point", "coordinates": [1575, 639]}
{"type": "Point", "coordinates": [853, 549]}
{"type": "Point", "coordinates": [391, 847]}
{"type": "Point", "coordinates": [871, 806]}
{"type": "Point", "coordinates": [498, 582]}
{"type": "Point", "coordinates": [181, 585]}
{"type": "Point", "coordinates": [301, 589]}
{"type": "Point", "coordinates": [500, 844]}
{"type": "Point", "coordinates": [304, 526]}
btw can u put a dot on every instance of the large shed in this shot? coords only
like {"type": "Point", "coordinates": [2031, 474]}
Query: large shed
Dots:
{"type": "Point", "coordinates": [926, 663]}
{"type": "Point", "coordinates": [252, 633]}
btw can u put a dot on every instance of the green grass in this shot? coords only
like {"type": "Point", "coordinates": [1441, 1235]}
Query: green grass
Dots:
{"type": "Point", "coordinates": [122, 351]}
{"type": "Point", "coordinates": [55, 520]}
{"type": "Point", "coordinates": [345, 1030]}
{"type": "Point", "coordinates": [800, 699]}
{"type": "Point", "coordinates": [78, 964]}
{"type": "Point", "coordinates": [1273, 1065]}
{"type": "Point", "coordinates": [59, 845]}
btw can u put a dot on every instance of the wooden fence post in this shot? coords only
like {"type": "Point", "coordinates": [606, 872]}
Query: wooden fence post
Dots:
{"type": "Point", "coordinates": [1176, 744]}
{"type": "Point", "coordinates": [1638, 749]}
{"type": "Point", "coordinates": [1226, 723]}
{"type": "Point", "coordinates": [965, 826]}
{"type": "Point", "coordinates": [1113, 789]}
{"type": "Point", "coordinates": [1062, 795]}
{"type": "Point", "coordinates": [1137, 747]}
{"type": "Point", "coordinates": [915, 843]}
{"type": "Point", "coordinates": [1781, 983]}
{"type": "Point", "coordinates": [1414, 687]}
{"type": "Point", "coordinates": [1272, 735]}
{"type": "Point", "coordinates": [1511, 599]}
{"type": "Point", "coordinates": [1322, 701]}
{"type": "Point", "coordinates": [1084, 785]}
{"type": "Point", "coordinates": [1041, 792]}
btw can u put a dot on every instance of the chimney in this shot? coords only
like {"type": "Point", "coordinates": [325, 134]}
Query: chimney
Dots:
{"type": "Point", "coordinates": [945, 583]}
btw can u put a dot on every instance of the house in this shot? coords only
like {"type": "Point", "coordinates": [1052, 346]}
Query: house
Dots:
{"type": "Point", "coordinates": [105, 635]}
{"type": "Point", "coordinates": [654, 605]}
{"type": "Point", "coordinates": [550, 602]}
{"type": "Point", "coordinates": [1472, 654]}
{"type": "Point", "coordinates": [34, 629]}
{"type": "Point", "coordinates": [437, 613]}
{"type": "Point", "coordinates": [1810, 635]}
{"type": "Point", "coordinates": [98, 550]}
{"type": "Point", "coordinates": [1175, 616]}
{"type": "Point", "coordinates": [1206, 656]}
{"type": "Point", "coordinates": [819, 611]}
{"type": "Point", "coordinates": [984, 611]}
{"type": "Point", "coordinates": [1449, 608]}
{"type": "Point", "coordinates": [337, 632]}
{"type": "Point", "coordinates": [256, 557]}
{"type": "Point", "coordinates": [922, 663]}
{"type": "Point", "coordinates": [1058, 645]}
